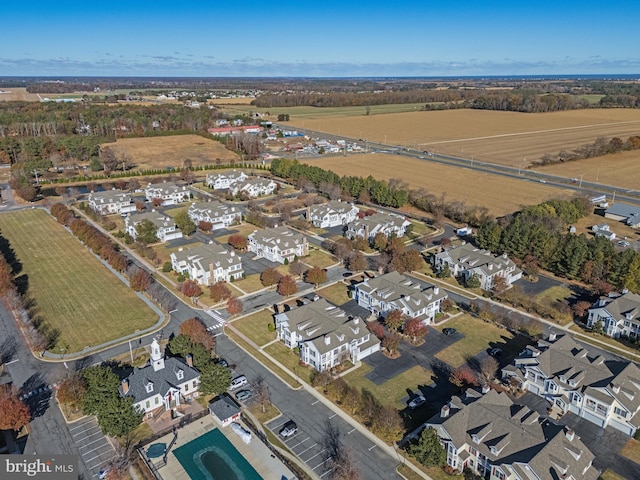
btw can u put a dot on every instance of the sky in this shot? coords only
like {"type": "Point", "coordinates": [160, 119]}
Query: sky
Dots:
{"type": "Point", "coordinates": [248, 38]}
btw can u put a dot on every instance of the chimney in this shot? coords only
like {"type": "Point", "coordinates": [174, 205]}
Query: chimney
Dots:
{"type": "Point", "coordinates": [316, 298]}
{"type": "Point", "coordinates": [125, 385]}
{"type": "Point", "coordinates": [444, 411]}
{"type": "Point", "coordinates": [552, 336]}
{"type": "Point", "coordinates": [189, 360]}
{"type": "Point", "coordinates": [615, 387]}
{"type": "Point", "coordinates": [436, 290]}
{"type": "Point", "coordinates": [327, 340]}
{"type": "Point", "coordinates": [356, 320]}
{"type": "Point", "coordinates": [570, 434]}
{"type": "Point", "coordinates": [485, 388]}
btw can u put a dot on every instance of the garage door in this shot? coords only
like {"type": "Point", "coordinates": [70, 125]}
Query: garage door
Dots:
{"type": "Point", "coordinates": [593, 419]}
{"type": "Point", "coordinates": [623, 427]}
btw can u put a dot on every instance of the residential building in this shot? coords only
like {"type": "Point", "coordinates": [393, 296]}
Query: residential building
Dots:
{"type": "Point", "coordinates": [110, 202]}
{"type": "Point", "coordinates": [603, 230]}
{"type": "Point", "coordinates": [394, 291]}
{"type": "Point", "coordinates": [325, 334]}
{"type": "Point", "coordinates": [618, 314]}
{"type": "Point", "coordinates": [166, 228]}
{"type": "Point", "coordinates": [467, 260]}
{"type": "Point", "coordinates": [163, 384]}
{"type": "Point", "coordinates": [368, 227]}
{"type": "Point", "coordinates": [208, 264]}
{"type": "Point", "coordinates": [224, 409]}
{"type": "Point", "coordinates": [498, 439]}
{"type": "Point", "coordinates": [573, 379]}
{"type": "Point", "coordinates": [219, 215]}
{"type": "Point", "coordinates": [224, 131]}
{"type": "Point", "coordinates": [253, 187]}
{"type": "Point", "coordinates": [332, 214]}
{"type": "Point", "coordinates": [168, 192]}
{"type": "Point", "coordinates": [225, 180]}
{"type": "Point", "coordinates": [628, 214]}
{"type": "Point", "coordinates": [278, 244]}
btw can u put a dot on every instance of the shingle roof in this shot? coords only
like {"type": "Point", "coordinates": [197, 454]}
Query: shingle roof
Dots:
{"type": "Point", "coordinates": [334, 207]}
{"type": "Point", "coordinates": [212, 209]}
{"type": "Point", "coordinates": [159, 220]}
{"type": "Point", "coordinates": [224, 407]}
{"type": "Point", "coordinates": [470, 257]}
{"type": "Point", "coordinates": [208, 254]}
{"type": "Point", "coordinates": [621, 306]}
{"type": "Point", "coordinates": [281, 237]}
{"type": "Point", "coordinates": [162, 379]}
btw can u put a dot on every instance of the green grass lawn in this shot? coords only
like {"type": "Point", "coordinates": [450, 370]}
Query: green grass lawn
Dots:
{"type": "Point", "coordinates": [249, 284]}
{"type": "Point", "coordinates": [553, 294]}
{"type": "Point", "coordinates": [164, 251]}
{"type": "Point", "coordinates": [173, 212]}
{"type": "Point", "coordinates": [291, 360]}
{"type": "Point", "coordinates": [318, 258]}
{"type": "Point", "coordinates": [256, 327]}
{"type": "Point", "coordinates": [338, 293]}
{"type": "Point", "coordinates": [245, 229]}
{"type": "Point", "coordinates": [478, 336]}
{"type": "Point", "coordinates": [73, 291]}
{"type": "Point", "coordinates": [393, 390]}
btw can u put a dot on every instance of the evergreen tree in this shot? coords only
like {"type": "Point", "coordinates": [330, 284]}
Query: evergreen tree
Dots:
{"type": "Point", "coordinates": [428, 450]}
{"type": "Point", "coordinates": [214, 379]}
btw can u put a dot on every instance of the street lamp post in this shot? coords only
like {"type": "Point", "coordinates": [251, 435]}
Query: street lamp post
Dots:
{"type": "Point", "coordinates": [521, 163]}
{"type": "Point", "coordinates": [580, 185]}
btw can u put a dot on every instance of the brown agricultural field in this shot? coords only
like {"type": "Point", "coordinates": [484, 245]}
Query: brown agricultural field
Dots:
{"type": "Point", "coordinates": [620, 169]}
{"type": "Point", "coordinates": [171, 151]}
{"type": "Point", "coordinates": [17, 93]}
{"type": "Point", "coordinates": [232, 101]}
{"type": "Point", "coordinates": [506, 138]}
{"type": "Point", "coordinates": [499, 194]}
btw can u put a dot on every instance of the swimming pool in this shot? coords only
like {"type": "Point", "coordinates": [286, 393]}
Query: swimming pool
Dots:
{"type": "Point", "coordinates": [212, 457]}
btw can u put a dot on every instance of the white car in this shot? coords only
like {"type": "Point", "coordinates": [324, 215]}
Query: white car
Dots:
{"type": "Point", "coordinates": [417, 401]}
{"type": "Point", "coordinates": [238, 382]}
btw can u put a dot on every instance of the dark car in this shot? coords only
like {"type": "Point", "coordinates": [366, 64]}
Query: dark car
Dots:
{"type": "Point", "coordinates": [495, 352]}
{"type": "Point", "coordinates": [449, 331]}
{"type": "Point", "coordinates": [289, 428]}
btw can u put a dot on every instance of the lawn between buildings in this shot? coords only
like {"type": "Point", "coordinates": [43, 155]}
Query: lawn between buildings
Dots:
{"type": "Point", "coordinates": [73, 291]}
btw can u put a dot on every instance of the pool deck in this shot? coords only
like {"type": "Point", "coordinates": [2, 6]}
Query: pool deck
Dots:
{"type": "Point", "coordinates": [256, 453]}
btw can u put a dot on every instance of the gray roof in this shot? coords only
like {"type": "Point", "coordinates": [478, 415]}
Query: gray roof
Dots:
{"type": "Point", "coordinates": [333, 207]}
{"type": "Point", "coordinates": [109, 196]}
{"type": "Point", "coordinates": [281, 237]}
{"type": "Point", "coordinates": [510, 434]}
{"type": "Point", "coordinates": [224, 407]}
{"type": "Point", "coordinates": [159, 220]}
{"type": "Point", "coordinates": [623, 210]}
{"type": "Point", "coordinates": [166, 188]}
{"type": "Point", "coordinates": [623, 307]}
{"type": "Point", "coordinates": [385, 220]}
{"type": "Point", "coordinates": [213, 209]}
{"type": "Point", "coordinates": [319, 321]}
{"type": "Point", "coordinates": [208, 254]}
{"type": "Point", "coordinates": [469, 257]}
{"type": "Point", "coordinates": [162, 379]}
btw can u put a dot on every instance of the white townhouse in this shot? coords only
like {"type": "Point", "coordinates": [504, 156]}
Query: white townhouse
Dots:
{"type": "Point", "coordinates": [169, 192]}
{"type": "Point", "coordinates": [166, 228]}
{"type": "Point", "coordinates": [494, 437]}
{"type": "Point", "coordinates": [325, 334]}
{"type": "Point", "coordinates": [110, 202]}
{"type": "Point", "coordinates": [219, 214]}
{"type": "Point", "coordinates": [225, 180]}
{"type": "Point", "coordinates": [332, 214]}
{"type": "Point", "coordinates": [394, 291]}
{"type": "Point", "coordinates": [618, 314]}
{"type": "Point", "coordinates": [278, 244]}
{"type": "Point", "coordinates": [368, 227]}
{"type": "Point", "coordinates": [163, 384]}
{"type": "Point", "coordinates": [467, 260]}
{"type": "Point", "coordinates": [208, 264]}
{"type": "Point", "coordinates": [574, 379]}
{"type": "Point", "coordinates": [254, 187]}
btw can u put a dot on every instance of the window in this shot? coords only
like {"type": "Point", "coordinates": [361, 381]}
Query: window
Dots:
{"type": "Point", "coordinates": [149, 387]}
{"type": "Point", "coordinates": [157, 400]}
{"type": "Point", "coordinates": [148, 405]}
{"type": "Point", "coordinates": [590, 404]}
{"type": "Point", "coordinates": [195, 384]}
{"type": "Point", "coordinates": [498, 474]}
{"type": "Point", "coordinates": [620, 411]}
{"type": "Point", "coordinates": [180, 374]}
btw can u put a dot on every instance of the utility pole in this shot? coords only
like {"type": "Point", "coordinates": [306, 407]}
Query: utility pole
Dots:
{"type": "Point", "coordinates": [35, 171]}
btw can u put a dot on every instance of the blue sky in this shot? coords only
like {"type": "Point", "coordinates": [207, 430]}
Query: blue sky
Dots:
{"type": "Point", "coordinates": [332, 38]}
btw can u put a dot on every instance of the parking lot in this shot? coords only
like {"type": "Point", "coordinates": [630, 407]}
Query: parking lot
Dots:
{"type": "Point", "coordinates": [93, 446]}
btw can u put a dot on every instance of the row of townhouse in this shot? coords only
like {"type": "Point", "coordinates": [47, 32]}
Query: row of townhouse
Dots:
{"type": "Point", "coordinates": [111, 202]}
{"type": "Point", "coordinates": [491, 435]}
{"type": "Point", "coordinates": [279, 244]}
{"type": "Point", "coordinates": [332, 214]}
{"type": "Point", "coordinates": [325, 334]}
{"type": "Point", "coordinates": [208, 264]}
{"type": "Point", "coordinates": [467, 260]}
{"type": "Point", "coordinates": [169, 192]}
{"type": "Point", "coordinates": [603, 391]}
{"type": "Point", "coordinates": [239, 183]}
{"type": "Point", "coordinates": [394, 291]}
{"type": "Point", "coordinates": [166, 228]}
{"type": "Point", "coordinates": [218, 214]}
{"type": "Point", "coordinates": [618, 315]}
{"type": "Point", "coordinates": [368, 227]}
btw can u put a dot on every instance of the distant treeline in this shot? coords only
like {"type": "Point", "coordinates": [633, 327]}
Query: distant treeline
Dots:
{"type": "Point", "coordinates": [600, 147]}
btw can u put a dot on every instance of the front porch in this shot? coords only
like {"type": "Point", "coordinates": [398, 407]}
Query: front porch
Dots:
{"type": "Point", "coordinates": [164, 419]}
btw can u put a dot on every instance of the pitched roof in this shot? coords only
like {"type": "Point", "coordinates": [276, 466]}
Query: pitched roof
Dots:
{"type": "Point", "coordinates": [159, 220]}
{"type": "Point", "coordinates": [470, 257]}
{"type": "Point", "coordinates": [621, 307]}
{"type": "Point", "coordinates": [281, 237]}
{"type": "Point", "coordinates": [162, 379]}
{"type": "Point", "coordinates": [213, 209]}
{"type": "Point", "coordinates": [224, 407]}
{"type": "Point", "coordinates": [109, 196]}
{"type": "Point", "coordinates": [384, 220]}
{"type": "Point", "coordinates": [208, 254]}
{"type": "Point", "coordinates": [334, 207]}
{"type": "Point", "coordinates": [508, 433]}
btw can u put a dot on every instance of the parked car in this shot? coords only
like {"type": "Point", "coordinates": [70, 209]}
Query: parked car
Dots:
{"type": "Point", "coordinates": [223, 362]}
{"type": "Point", "coordinates": [102, 474]}
{"type": "Point", "coordinates": [623, 243]}
{"type": "Point", "coordinates": [289, 428]}
{"type": "Point", "coordinates": [417, 401]}
{"type": "Point", "coordinates": [495, 352]}
{"type": "Point", "coordinates": [238, 382]}
{"type": "Point", "coordinates": [243, 395]}
{"type": "Point", "coordinates": [449, 331]}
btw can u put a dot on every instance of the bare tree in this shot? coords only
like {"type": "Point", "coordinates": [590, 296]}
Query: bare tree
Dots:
{"type": "Point", "coordinates": [488, 369]}
{"type": "Point", "coordinates": [339, 458]}
{"type": "Point", "coordinates": [261, 390]}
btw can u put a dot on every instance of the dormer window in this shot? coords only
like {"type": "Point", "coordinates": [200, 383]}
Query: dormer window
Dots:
{"type": "Point", "coordinates": [149, 387]}
{"type": "Point", "coordinates": [180, 374]}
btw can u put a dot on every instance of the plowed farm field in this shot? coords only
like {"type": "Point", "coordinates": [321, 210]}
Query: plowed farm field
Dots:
{"type": "Point", "coordinates": [499, 194]}
{"type": "Point", "coordinates": [506, 138]}
{"type": "Point", "coordinates": [172, 151]}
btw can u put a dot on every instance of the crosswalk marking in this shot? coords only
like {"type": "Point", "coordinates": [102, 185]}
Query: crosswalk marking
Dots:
{"type": "Point", "coordinates": [219, 321]}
